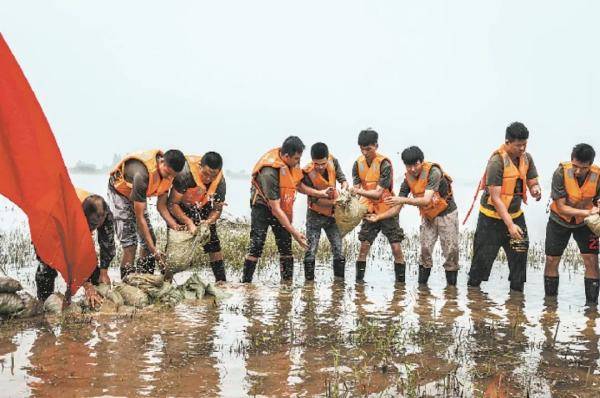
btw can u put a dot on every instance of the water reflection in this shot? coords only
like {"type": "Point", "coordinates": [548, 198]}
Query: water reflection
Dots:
{"type": "Point", "coordinates": [320, 338]}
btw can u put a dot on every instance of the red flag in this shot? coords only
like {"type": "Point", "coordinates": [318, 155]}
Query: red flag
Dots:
{"type": "Point", "coordinates": [35, 178]}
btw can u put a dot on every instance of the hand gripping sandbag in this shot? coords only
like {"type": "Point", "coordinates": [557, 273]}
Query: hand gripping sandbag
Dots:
{"type": "Point", "coordinates": [593, 223]}
{"type": "Point", "coordinates": [184, 249]}
{"type": "Point", "coordinates": [348, 212]}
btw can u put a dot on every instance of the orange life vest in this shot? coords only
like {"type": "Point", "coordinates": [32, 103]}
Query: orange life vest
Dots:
{"type": "Point", "coordinates": [578, 197]}
{"type": "Point", "coordinates": [199, 195]}
{"type": "Point", "coordinates": [288, 180]}
{"type": "Point", "coordinates": [369, 178]}
{"type": "Point", "coordinates": [156, 184]}
{"type": "Point", "coordinates": [320, 183]}
{"type": "Point", "coordinates": [82, 194]}
{"type": "Point", "coordinates": [417, 187]}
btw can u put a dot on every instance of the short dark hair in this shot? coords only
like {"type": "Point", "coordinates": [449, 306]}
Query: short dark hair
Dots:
{"type": "Point", "coordinates": [94, 207]}
{"type": "Point", "coordinates": [175, 159]}
{"type": "Point", "coordinates": [368, 137]}
{"type": "Point", "coordinates": [292, 145]}
{"type": "Point", "coordinates": [412, 155]}
{"type": "Point", "coordinates": [319, 151]}
{"type": "Point", "coordinates": [516, 131]}
{"type": "Point", "coordinates": [584, 153]}
{"type": "Point", "coordinates": [212, 160]}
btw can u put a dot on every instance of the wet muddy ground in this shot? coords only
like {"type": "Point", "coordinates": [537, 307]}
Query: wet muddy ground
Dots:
{"type": "Point", "coordinates": [326, 338]}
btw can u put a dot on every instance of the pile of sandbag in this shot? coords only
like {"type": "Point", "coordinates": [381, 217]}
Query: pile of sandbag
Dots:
{"type": "Point", "coordinates": [593, 223]}
{"type": "Point", "coordinates": [184, 248]}
{"type": "Point", "coordinates": [16, 303]}
{"type": "Point", "coordinates": [349, 211]}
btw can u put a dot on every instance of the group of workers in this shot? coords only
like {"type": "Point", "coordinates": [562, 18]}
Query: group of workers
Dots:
{"type": "Point", "coordinates": [191, 189]}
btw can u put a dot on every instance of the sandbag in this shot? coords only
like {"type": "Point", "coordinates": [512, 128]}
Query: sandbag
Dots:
{"type": "Point", "coordinates": [31, 305]}
{"type": "Point", "coordinates": [132, 296]}
{"type": "Point", "coordinates": [126, 310]}
{"type": "Point", "coordinates": [144, 281]}
{"type": "Point", "coordinates": [110, 294]}
{"type": "Point", "coordinates": [184, 249]}
{"type": "Point", "coordinates": [348, 212]}
{"type": "Point", "coordinates": [10, 303]}
{"type": "Point", "coordinates": [593, 223]}
{"type": "Point", "coordinates": [9, 285]}
{"type": "Point", "coordinates": [108, 307]}
{"type": "Point", "coordinates": [171, 294]}
{"type": "Point", "coordinates": [219, 294]}
{"type": "Point", "coordinates": [73, 309]}
{"type": "Point", "coordinates": [193, 287]}
{"type": "Point", "coordinates": [53, 304]}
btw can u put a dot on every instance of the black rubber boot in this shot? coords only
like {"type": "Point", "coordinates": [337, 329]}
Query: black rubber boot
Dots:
{"type": "Point", "coordinates": [451, 277]}
{"type": "Point", "coordinates": [249, 267]}
{"type": "Point", "coordinates": [44, 281]}
{"type": "Point", "coordinates": [309, 270]}
{"type": "Point", "coordinates": [286, 269]}
{"type": "Point", "coordinates": [517, 286]}
{"type": "Point", "coordinates": [361, 266]}
{"type": "Point", "coordinates": [339, 268]}
{"type": "Point", "coordinates": [424, 275]}
{"type": "Point", "coordinates": [591, 291]}
{"type": "Point", "coordinates": [551, 285]}
{"type": "Point", "coordinates": [400, 272]}
{"type": "Point", "coordinates": [218, 269]}
{"type": "Point", "coordinates": [473, 282]}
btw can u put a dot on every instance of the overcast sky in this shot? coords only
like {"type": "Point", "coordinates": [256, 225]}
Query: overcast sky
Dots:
{"type": "Point", "coordinates": [237, 77]}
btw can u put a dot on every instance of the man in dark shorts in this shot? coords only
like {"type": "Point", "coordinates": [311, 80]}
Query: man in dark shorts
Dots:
{"type": "Point", "coordinates": [198, 196]}
{"type": "Point", "coordinates": [276, 178]}
{"type": "Point", "coordinates": [575, 195]}
{"type": "Point", "coordinates": [322, 173]}
{"type": "Point", "coordinates": [100, 219]}
{"type": "Point", "coordinates": [135, 178]}
{"type": "Point", "coordinates": [509, 173]}
{"type": "Point", "coordinates": [373, 178]}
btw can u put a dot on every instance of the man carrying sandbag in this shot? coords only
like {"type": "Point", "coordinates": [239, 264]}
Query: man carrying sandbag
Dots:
{"type": "Point", "coordinates": [135, 178]}
{"type": "Point", "coordinates": [510, 172]}
{"type": "Point", "coordinates": [373, 180]}
{"type": "Point", "coordinates": [197, 197]}
{"type": "Point", "coordinates": [322, 174]}
{"type": "Point", "coordinates": [575, 195]}
{"type": "Point", "coordinates": [275, 179]}
{"type": "Point", "coordinates": [100, 219]}
{"type": "Point", "coordinates": [432, 193]}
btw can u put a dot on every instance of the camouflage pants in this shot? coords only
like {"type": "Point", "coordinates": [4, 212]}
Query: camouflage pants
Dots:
{"type": "Point", "coordinates": [124, 217]}
{"type": "Point", "coordinates": [446, 229]}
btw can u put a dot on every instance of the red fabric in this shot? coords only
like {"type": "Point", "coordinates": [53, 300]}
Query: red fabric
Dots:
{"type": "Point", "coordinates": [34, 176]}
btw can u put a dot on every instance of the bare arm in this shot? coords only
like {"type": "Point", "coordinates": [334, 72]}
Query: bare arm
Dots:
{"type": "Point", "coordinates": [389, 213]}
{"type": "Point", "coordinates": [374, 194]}
{"type": "Point", "coordinates": [142, 226]}
{"type": "Point", "coordinates": [174, 201]}
{"type": "Point", "coordinates": [215, 213]}
{"type": "Point", "coordinates": [280, 215]}
{"type": "Point", "coordinates": [315, 193]}
{"type": "Point", "coordinates": [422, 201]}
{"type": "Point", "coordinates": [565, 209]}
{"type": "Point", "coordinates": [514, 230]}
{"type": "Point", "coordinates": [163, 210]}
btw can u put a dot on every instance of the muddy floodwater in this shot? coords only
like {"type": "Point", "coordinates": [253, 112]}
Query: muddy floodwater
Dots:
{"type": "Point", "coordinates": [326, 338]}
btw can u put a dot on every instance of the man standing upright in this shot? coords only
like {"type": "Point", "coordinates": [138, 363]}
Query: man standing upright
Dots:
{"type": "Point", "coordinates": [432, 193]}
{"type": "Point", "coordinates": [323, 173]}
{"type": "Point", "coordinates": [275, 179]}
{"type": "Point", "coordinates": [575, 195]}
{"type": "Point", "coordinates": [135, 178]}
{"type": "Point", "coordinates": [509, 173]}
{"type": "Point", "coordinates": [373, 180]}
{"type": "Point", "coordinates": [197, 196]}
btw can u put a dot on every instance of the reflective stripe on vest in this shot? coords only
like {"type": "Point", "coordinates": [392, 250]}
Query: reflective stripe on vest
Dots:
{"type": "Point", "coordinates": [417, 188]}
{"type": "Point", "coordinates": [156, 184]}
{"type": "Point", "coordinates": [288, 180]}
{"type": "Point", "coordinates": [369, 178]}
{"type": "Point", "coordinates": [199, 195]}
{"type": "Point", "coordinates": [578, 197]}
{"type": "Point", "coordinates": [320, 183]}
